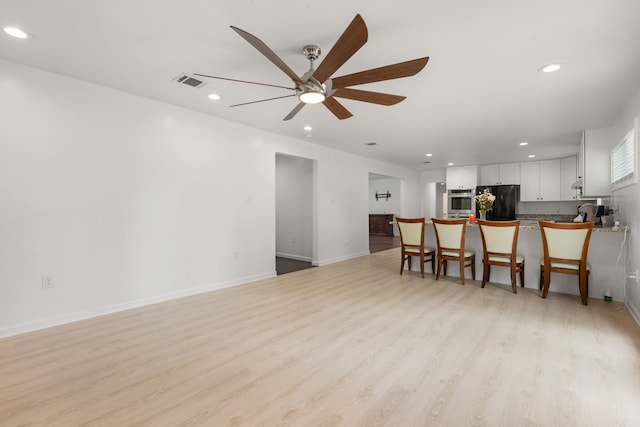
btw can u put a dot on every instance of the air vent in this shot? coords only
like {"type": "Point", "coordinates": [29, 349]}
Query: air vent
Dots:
{"type": "Point", "coordinates": [370, 144]}
{"type": "Point", "coordinates": [186, 79]}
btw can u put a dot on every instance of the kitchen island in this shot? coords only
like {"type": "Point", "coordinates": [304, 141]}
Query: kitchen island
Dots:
{"type": "Point", "coordinates": [608, 250]}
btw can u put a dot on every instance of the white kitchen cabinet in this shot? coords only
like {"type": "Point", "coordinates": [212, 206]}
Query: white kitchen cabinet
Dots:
{"type": "Point", "coordinates": [568, 176]}
{"type": "Point", "coordinates": [502, 174]}
{"type": "Point", "coordinates": [594, 162]}
{"type": "Point", "coordinates": [540, 181]}
{"type": "Point", "coordinates": [462, 177]}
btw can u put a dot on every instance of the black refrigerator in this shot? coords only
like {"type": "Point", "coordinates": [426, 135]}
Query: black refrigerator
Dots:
{"type": "Point", "coordinates": [505, 207]}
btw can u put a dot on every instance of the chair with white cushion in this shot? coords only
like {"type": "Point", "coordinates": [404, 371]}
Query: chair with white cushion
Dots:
{"type": "Point", "coordinates": [450, 234]}
{"type": "Point", "coordinates": [412, 243]}
{"type": "Point", "coordinates": [499, 245]}
{"type": "Point", "coordinates": [565, 249]}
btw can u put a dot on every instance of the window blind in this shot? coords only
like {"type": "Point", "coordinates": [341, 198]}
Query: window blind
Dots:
{"type": "Point", "coordinates": [623, 159]}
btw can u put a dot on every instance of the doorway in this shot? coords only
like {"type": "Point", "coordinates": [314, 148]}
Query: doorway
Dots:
{"type": "Point", "coordinates": [435, 200]}
{"type": "Point", "coordinates": [385, 198]}
{"type": "Point", "coordinates": [294, 213]}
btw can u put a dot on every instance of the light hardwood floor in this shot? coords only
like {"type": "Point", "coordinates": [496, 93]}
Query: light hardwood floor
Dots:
{"type": "Point", "coordinates": [349, 344]}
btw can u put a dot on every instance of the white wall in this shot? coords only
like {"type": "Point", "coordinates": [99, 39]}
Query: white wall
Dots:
{"type": "Point", "coordinates": [628, 200]}
{"type": "Point", "coordinates": [126, 201]}
{"type": "Point", "coordinates": [294, 207]}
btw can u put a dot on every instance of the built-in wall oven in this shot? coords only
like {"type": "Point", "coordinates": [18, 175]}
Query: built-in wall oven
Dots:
{"type": "Point", "coordinates": [461, 203]}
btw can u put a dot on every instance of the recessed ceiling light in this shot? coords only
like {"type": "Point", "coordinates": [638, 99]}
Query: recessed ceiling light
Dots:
{"type": "Point", "coordinates": [17, 32]}
{"type": "Point", "coordinates": [428, 154]}
{"type": "Point", "coordinates": [308, 128]}
{"type": "Point", "coordinates": [449, 164]}
{"type": "Point", "coordinates": [213, 96]}
{"type": "Point", "coordinates": [531, 156]}
{"type": "Point", "coordinates": [524, 143]}
{"type": "Point", "coordinates": [550, 68]}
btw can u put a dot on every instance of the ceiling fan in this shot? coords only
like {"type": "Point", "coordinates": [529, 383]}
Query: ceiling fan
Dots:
{"type": "Point", "coordinates": [317, 85]}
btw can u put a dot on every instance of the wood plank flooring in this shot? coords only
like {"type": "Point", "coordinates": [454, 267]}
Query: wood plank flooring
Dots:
{"type": "Point", "coordinates": [349, 344]}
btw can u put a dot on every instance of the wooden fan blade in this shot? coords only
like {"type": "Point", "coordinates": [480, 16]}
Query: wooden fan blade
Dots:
{"type": "Point", "coordinates": [294, 111]}
{"type": "Point", "coordinates": [336, 108]}
{"type": "Point", "coordinates": [271, 56]}
{"type": "Point", "coordinates": [366, 96]}
{"type": "Point", "coordinates": [388, 72]}
{"type": "Point", "coordinates": [243, 81]}
{"type": "Point", "coordinates": [353, 38]}
{"type": "Point", "coordinates": [261, 100]}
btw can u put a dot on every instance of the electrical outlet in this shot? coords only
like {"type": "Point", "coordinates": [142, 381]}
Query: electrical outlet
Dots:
{"type": "Point", "coordinates": [47, 281]}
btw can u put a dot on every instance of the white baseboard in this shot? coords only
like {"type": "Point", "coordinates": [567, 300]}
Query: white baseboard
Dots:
{"type": "Point", "coordinates": [101, 311]}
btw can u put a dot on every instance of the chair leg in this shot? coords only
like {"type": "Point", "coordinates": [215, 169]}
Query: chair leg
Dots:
{"type": "Point", "coordinates": [461, 262]}
{"type": "Point", "coordinates": [439, 267]}
{"type": "Point", "coordinates": [402, 263]}
{"type": "Point", "coordinates": [422, 264]}
{"type": "Point", "coordinates": [486, 272]}
{"type": "Point", "coordinates": [541, 277]}
{"type": "Point", "coordinates": [514, 286]}
{"type": "Point", "coordinates": [583, 289]}
{"type": "Point", "coordinates": [545, 286]}
{"type": "Point", "coordinates": [522, 274]}
{"type": "Point", "coordinates": [473, 267]}
{"type": "Point", "coordinates": [444, 267]}
{"type": "Point", "coordinates": [433, 263]}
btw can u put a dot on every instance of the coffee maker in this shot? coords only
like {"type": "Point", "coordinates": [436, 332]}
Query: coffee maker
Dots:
{"type": "Point", "coordinates": [588, 212]}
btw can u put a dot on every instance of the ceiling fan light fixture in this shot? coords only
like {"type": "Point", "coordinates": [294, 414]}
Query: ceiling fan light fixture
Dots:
{"type": "Point", "coordinates": [312, 97]}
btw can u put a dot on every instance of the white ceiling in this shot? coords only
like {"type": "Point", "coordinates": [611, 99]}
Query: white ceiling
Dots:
{"type": "Point", "coordinates": [478, 97]}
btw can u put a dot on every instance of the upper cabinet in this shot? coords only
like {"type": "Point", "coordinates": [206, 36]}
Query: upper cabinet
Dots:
{"type": "Point", "coordinates": [540, 181]}
{"type": "Point", "coordinates": [568, 176]}
{"type": "Point", "coordinates": [462, 177]}
{"type": "Point", "coordinates": [503, 174]}
{"type": "Point", "coordinates": [594, 167]}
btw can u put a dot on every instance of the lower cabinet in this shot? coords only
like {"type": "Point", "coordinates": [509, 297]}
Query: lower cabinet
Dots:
{"type": "Point", "coordinates": [381, 224]}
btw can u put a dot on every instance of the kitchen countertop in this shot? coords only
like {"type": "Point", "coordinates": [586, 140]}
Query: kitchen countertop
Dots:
{"type": "Point", "coordinates": [533, 225]}
{"type": "Point", "coordinates": [529, 224]}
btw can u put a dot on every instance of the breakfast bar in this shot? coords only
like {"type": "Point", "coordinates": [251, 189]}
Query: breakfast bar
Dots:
{"type": "Point", "coordinates": [608, 250]}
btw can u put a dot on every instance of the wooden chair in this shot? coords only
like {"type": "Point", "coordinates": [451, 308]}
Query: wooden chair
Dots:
{"type": "Point", "coordinates": [565, 247]}
{"type": "Point", "coordinates": [450, 235]}
{"type": "Point", "coordinates": [412, 243]}
{"type": "Point", "coordinates": [499, 246]}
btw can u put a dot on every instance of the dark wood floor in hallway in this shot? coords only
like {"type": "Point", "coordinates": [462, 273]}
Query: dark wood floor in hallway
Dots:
{"type": "Point", "coordinates": [377, 243]}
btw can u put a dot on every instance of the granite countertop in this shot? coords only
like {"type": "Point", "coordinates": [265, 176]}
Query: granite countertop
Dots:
{"type": "Point", "coordinates": [532, 224]}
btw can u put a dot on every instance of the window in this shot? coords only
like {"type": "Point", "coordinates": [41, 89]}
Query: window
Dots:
{"type": "Point", "coordinates": [623, 160]}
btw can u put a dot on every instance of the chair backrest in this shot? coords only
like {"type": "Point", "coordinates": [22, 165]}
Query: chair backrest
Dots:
{"type": "Point", "coordinates": [566, 241]}
{"type": "Point", "coordinates": [499, 237]}
{"type": "Point", "coordinates": [450, 232]}
{"type": "Point", "coordinates": [411, 231]}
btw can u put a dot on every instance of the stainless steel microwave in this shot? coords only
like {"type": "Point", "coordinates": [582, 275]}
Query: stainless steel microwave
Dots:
{"type": "Point", "coordinates": [461, 203]}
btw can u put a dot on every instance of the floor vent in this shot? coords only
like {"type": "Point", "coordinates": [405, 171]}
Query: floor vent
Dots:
{"type": "Point", "coordinates": [186, 79]}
